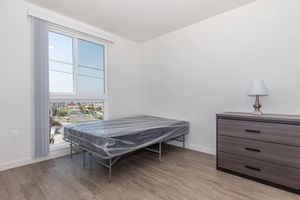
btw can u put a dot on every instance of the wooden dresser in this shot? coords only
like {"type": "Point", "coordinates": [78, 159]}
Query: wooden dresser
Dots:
{"type": "Point", "coordinates": [263, 148]}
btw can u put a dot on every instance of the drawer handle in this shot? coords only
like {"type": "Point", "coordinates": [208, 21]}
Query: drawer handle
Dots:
{"type": "Point", "coordinates": [252, 131]}
{"type": "Point", "coordinates": [251, 149]}
{"type": "Point", "coordinates": [252, 168]}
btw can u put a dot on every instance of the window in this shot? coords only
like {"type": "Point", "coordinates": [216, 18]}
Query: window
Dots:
{"type": "Point", "coordinates": [70, 112]}
{"type": "Point", "coordinates": [76, 80]}
{"type": "Point", "coordinates": [61, 73]}
{"type": "Point", "coordinates": [90, 69]}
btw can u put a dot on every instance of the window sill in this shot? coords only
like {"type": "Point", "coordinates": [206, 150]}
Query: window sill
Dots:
{"type": "Point", "coordinates": [54, 147]}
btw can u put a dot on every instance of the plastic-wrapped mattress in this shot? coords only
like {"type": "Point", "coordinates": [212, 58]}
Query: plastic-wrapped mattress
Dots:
{"type": "Point", "coordinates": [112, 138]}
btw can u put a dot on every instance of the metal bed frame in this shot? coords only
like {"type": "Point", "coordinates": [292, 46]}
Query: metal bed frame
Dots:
{"type": "Point", "coordinates": [109, 162]}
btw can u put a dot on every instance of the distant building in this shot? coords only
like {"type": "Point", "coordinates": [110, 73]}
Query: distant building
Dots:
{"type": "Point", "coordinates": [72, 106]}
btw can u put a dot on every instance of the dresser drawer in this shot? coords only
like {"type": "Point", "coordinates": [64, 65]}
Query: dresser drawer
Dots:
{"type": "Point", "coordinates": [271, 132]}
{"type": "Point", "coordinates": [271, 152]}
{"type": "Point", "coordinates": [286, 176]}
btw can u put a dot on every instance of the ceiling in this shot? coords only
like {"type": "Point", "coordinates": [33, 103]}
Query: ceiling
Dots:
{"type": "Point", "coordinates": [140, 20]}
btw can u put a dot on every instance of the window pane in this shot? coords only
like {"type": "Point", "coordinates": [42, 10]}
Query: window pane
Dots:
{"type": "Point", "coordinates": [60, 47]}
{"type": "Point", "coordinates": [64, 113]}
{"type": "Point", "coordinates": [90, 69]}
{"type": "Point", "coordinates": [57, 66]}
{"type": "Point", "coordinates": [60, 63]}
{"type": "Point", "coordinates": [90, 54]}
{"type": "Point", "coordinates": [90, 87]}
{"type": "Point", "coordinates": [92, 73]}
{"type": "Point", "coordinates": [60, 82]}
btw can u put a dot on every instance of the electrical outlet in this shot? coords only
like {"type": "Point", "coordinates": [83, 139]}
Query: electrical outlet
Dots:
{"type": "Point", "coordinates": [14, 134]}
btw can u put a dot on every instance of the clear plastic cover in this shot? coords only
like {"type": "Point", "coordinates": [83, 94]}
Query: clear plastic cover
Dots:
{"type": "Point", "coordinates": [112, 138]}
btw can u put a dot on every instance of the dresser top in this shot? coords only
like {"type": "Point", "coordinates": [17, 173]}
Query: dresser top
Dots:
{"type": "Point", "coordinates": [265, 117]}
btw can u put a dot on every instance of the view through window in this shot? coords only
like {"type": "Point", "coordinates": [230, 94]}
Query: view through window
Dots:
{"type": "Point", "coordinates": [64, 113]}
{"type": "Point", "coordinates": [76, 81]}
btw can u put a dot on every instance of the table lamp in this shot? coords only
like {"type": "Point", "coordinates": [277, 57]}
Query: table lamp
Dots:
{"type": "Point", "coordinates": [257, 88]}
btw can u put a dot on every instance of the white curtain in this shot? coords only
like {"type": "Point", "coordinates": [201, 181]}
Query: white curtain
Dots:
{"type": "Point", "coordinates": [41, 88]}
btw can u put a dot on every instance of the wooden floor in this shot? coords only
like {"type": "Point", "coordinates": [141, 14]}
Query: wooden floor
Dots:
{"type": "Point", "coordinates": [182, 174]}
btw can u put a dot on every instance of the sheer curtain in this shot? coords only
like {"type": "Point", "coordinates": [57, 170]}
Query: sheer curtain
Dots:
{"type": "Point", "coordinates": [41, 88]}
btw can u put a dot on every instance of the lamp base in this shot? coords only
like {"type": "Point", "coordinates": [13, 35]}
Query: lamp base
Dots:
{"type": "Point", "coordinates": [257, 106]}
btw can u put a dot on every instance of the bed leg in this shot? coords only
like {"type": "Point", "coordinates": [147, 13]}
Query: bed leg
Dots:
{"type": "Point", "coordinates": [109, 170]}
{"type": "Point", "coordinates": [83, 159]}
{"type": "Point", "coordinates": [71, 151]}
{"type": "Point", "coordinates": [91, 160]}
{"type": "Point", "coordinates": [159, 150]}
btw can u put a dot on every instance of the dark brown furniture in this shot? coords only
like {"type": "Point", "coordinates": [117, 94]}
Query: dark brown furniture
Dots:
{"type": "Point", "coordinates": [263, 148]}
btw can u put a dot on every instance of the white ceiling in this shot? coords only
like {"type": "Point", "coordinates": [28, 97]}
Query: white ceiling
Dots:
{"type": "Point", "coordinates": [140, 20]}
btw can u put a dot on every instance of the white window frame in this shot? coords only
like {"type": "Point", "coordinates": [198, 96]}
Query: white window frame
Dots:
{"type": "Point", "coordinates": [58, 97]}
{"type": "Point", "coordinates": [53, 29]}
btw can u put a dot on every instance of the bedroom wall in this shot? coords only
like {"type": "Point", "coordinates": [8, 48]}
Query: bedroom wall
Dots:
{"type": "Point", "coordinates": [206, 68]}
{"type": "Point", "coordinates": [16, 77]}
{"type": "Point", "coordinates": [189, 74]}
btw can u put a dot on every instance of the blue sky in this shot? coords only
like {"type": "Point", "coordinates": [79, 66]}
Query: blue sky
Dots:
{"type": "Point", "coordinates": [90, 66]}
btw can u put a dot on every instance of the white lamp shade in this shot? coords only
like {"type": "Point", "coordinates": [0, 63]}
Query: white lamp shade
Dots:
{"type": "Point", "coordinates": [257, 87]}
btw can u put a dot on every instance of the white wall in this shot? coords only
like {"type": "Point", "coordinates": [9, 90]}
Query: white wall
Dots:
{"type": "Point", "coordinates": [15, 82]}
{"type": "Point", "coordinates": [16, 78]}
{"type": "Point", "coordinates": [124, 79]}
{"type": "Point", "coordinates": [206, 68]}
{"type": "Point", "coordinates": [190, 74]}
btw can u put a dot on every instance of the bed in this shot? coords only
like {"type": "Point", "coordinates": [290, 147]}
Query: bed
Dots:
{"type": "Point", "coordinates": [107, 141]}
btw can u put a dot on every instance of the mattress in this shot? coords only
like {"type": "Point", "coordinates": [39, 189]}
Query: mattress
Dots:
{"type": "Point", "coordinates": [113, 138]}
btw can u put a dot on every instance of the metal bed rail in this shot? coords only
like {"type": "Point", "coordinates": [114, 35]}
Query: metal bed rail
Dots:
{"type": "Point", "coordinates": [109, 162]}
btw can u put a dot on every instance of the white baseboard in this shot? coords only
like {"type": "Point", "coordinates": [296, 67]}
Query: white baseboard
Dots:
{"type": "Point", "coordinates": [195, 147]}
{"type": "Point", "coordinates": [66, 151]}
{"type": "Point", "coordinates": [18, 163]}
{"type": "Point", "coordinates": [201, 149]}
